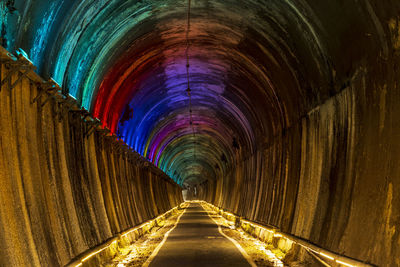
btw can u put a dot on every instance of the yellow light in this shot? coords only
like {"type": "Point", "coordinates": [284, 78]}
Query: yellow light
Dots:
{"type": "Point", "coordinates": [344, 263]}
{"type": "Point", "coordinates": [134, 229]}
{"type": "Point", "coordinates": [94, 253]}
{"type": "Point", "coordinates": [272, 231]}
{"type": "Point", "coordinates": [130, 231]}
{"type": "Point", "coordinates": [316, 252]}
{"type": "Point", "coordinates": [326, 256]}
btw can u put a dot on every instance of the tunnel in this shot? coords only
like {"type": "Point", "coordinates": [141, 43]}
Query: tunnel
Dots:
{"type": "Point", "coordinates": [285, 113]}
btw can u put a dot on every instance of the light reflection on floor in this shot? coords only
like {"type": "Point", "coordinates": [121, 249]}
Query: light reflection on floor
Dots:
{"type": "Point", "coordinates": [137, 253]}
{"type": "Point", "coordinates": [256, 249]}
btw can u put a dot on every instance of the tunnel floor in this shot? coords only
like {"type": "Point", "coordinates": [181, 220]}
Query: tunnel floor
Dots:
{"type": "Point", "coordinates": [196, 241]}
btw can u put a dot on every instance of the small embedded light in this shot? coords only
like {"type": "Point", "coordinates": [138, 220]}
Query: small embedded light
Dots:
{"type": "Point", "coordinates": [344, 263]}
{"type": "Point", "coordinates": [94, 253]}
{"type": "Point", "coordinates": [326, 256]}
{"type": "Point", "coordinates": [116, 241]}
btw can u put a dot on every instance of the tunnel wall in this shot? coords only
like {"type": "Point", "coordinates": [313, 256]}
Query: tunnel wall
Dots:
{"type": "Point", "coordinates": [61, 192]}
{"type": "Point", "coordinates": [333, 177]}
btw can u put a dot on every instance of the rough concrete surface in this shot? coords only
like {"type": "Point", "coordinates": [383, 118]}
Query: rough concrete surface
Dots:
{"type": "Point", "coordinates": [62, 193]}
{"type": "Point", "coordinates": [293, 120]}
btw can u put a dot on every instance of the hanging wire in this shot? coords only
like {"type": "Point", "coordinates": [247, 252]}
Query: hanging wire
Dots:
{"type": "Point", "coordinates": [188, 90]}
{"type": "Point", "coordinates": [187, 50]}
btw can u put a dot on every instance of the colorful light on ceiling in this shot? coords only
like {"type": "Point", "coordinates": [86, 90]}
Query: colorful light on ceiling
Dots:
{"type": "Point", "coordinates": [125, 61]}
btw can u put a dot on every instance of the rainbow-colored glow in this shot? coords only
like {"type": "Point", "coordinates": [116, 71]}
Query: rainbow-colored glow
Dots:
{"type": "Point", "coordinates": [125, 62]}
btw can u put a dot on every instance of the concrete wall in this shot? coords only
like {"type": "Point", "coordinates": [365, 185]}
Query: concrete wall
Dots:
{"type": "Point", "coordinates": [60, 192]}
{"type": "Point", "coordinates": [334, 176]}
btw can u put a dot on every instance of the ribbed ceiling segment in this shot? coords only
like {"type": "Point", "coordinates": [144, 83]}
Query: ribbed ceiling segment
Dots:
{"type": "Point", "coordinates": [125, 62]}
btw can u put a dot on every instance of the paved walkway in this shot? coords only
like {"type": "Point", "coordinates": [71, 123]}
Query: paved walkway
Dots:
{"type": "Point", "coordinates": [196, 241]}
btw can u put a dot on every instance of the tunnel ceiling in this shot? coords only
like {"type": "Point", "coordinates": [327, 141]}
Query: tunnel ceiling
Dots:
{"type": "Point", "coordinates": [255, 68]}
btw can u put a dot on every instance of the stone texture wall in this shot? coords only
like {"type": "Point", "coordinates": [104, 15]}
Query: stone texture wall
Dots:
{"type": "Point", "coordinates": [61, 192]}
{"type": "Point", "coordinates": [333, 177]}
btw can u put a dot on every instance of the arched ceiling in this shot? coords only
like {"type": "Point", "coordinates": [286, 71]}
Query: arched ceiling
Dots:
{"type": "Point", "coordinates": [255, 67]}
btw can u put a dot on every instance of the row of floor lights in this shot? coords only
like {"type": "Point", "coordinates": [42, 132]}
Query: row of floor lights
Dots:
{"type": "Point", "coordinates": [279, 235]}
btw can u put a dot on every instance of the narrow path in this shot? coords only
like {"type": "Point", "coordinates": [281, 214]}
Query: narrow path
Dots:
{"type": "Point", "coordinates": [196, 241]}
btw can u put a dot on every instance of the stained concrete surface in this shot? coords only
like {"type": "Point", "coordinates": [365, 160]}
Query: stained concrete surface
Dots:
{"type": "Point", "coordinates": [196, 241]}
{"type": "Point", "coordinates": [308, 89]}
{"type": "Point", "coordinates": [63, 192]}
